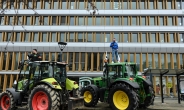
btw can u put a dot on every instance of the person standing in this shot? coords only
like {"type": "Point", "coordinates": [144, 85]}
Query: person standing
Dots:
{"type": "Point", "coordinates": [35, 56]}
{"type": "Point", "coordinates": [114, 46]}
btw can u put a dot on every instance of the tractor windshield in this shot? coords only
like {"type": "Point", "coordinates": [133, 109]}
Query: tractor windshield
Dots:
{"type": "Point", "coordinates": [60, 72]}
{"type": "Point", "coordinates": [130, 70]}
{"type": "Point", "coordinates": [115, 70]}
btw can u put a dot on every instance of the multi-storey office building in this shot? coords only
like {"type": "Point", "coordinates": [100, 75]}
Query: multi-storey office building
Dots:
{"type": "Point", "coordinates": [149, 32]}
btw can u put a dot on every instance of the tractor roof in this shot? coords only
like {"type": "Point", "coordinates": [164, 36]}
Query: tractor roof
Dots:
{"type": "Point", "coordinates": [121, 63]}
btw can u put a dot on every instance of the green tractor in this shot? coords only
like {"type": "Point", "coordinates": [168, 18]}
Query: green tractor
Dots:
{"type": "Point", "coordinates": [42, 85]}
{"type": "Point", "coordinates": [120, 87]}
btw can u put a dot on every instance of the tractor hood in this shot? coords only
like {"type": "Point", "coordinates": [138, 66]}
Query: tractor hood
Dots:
{"type": "Point", "coordinates": [70, 84]}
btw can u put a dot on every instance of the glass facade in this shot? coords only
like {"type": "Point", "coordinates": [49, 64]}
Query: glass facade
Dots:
{"type": "Point", "coordinates": [93, 61]}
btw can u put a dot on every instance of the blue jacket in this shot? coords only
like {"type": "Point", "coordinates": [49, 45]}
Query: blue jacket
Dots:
{"type": "Point", "coordinates": [114, 45]}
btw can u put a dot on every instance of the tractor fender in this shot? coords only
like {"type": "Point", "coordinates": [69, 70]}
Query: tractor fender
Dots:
{"type": "Point", "coordinates": [46, 83]}
{"type": "Point", "coordinates": [132, 84]}
{"type": "Point", "coordinates": [95, 88]}
{"type": "Point", "coordinates": [16, 95]}
{"type": "Point", "coordinates": [147, 83]}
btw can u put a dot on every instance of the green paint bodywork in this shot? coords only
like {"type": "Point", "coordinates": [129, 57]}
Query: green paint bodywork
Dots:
{"type": "Point", "coordinates": [101, 82]}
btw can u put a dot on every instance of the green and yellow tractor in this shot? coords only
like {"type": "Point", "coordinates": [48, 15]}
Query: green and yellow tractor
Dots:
{"type": "Point", "coordinates": [42, 85]}
{"type": "Point", "coordinates": [120, 87]}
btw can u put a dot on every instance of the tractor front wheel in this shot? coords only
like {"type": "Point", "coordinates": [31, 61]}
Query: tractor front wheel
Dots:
{"type": "Point", "coordinates": [123, 97]}
{"type": "Point", "coordinates": [7, 101]}
{"type": "Point", "coordinates": [43, 97]}
{"type": "Point", "coordinates": [90, 96]}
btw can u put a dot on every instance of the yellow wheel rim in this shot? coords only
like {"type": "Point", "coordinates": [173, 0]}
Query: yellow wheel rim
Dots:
{"type": "Point", "coordinates": [121, 100]}
{"type": "Point", "coordinates": [87, 96]}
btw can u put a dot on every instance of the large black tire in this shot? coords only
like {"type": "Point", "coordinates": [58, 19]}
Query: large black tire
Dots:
{"type": "Point", "coordinates": [7, 101]}
{"type": "Point", "coordinates": [149, 99]}
{"type": "Point", "coordinates": [48, 98]}
{"type": "Point", "coordinates": [92, 100]}
{"type": "Point", "coordinates": [119, 94]}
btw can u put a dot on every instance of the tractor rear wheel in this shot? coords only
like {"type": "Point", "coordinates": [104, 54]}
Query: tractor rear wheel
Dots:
{"type": "Point", "coordinates": [123, 97]}
{"type": "Point", "coordinates": [150, 97]}
{"type": "Point", "coordinates": [43, 97]}
{"type": "Point", "coordinates": [7, 101]}
{"type": "Point", "coordinates": [90, 96]}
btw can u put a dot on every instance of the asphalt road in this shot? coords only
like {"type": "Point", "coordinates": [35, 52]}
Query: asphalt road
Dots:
{"type": "Point", "coordinates": [170, 104]}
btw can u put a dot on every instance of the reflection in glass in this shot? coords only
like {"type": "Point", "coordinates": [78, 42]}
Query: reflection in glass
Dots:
{"type": "Point", "coordinates": [150, 56]}
{"type": "Point", "coordinates": [98, 37]}
{"type": "Point", "coordinates": [153, 37]}
{"type": "Point", "coordinates": [89, 62]}
{"type": "Point", "coordinates": [36, 21]}
{"type": "Point", "coordinates": [35, 37]}
{"type": "Point", "coordinates": [171, 35]}
{"type": "Point", "coordinates": [138, 61]}
{"type": "Point", "coordinates": [81, 21]}
{"type": "Point", "coordinates": [116, 36]}
{"type": "Point", "coordinates": [62, 37]}
{"type": "Point", "coordinates": [151, 4]}
{"type": "Point", "coordinates": [107, 5]}
{"type": "Point", "coordinates": [170, 21]}
{"type": "Point", "coordinates": [161, 21]}
{"type": "Point", "coordinates": [10, 20]}
{"type": "Point", "coordinates": [134, 21]}
{"type": "Point", "coordinates": [19, 20]}
{"type": "Point", "coordinates": [71, 20]}
{"type": "Point", "coordinates": [80, 37]}
{"type": "Point", "coordinates": [132, 57]}
{"type": "Point", "coordinates": [162, 61]}
{"type": "Point", "coordinates": [156, 61]}
{"type": "Point", "coordinates": [143, 37]}
{"type": "Point", "coordinates": [162, 38]}
{"type": "Point", "coordinates": [76, 61]}
{"type": "Point", "coordinates": [107, 37]}
{"type": "Point", "coordinates": [178, 4]}
{"type": "Point", "coordinates": [107, 20]}
{"type": "Point", "coordinates": [180, 21]}
{"type": "Point", "coordinates": [125, 57]}
{"type": "Point", "coordinates": [125, 21]}
{"type": "Point", "coordinates": [72, 5]}
{"type": "Point", "coordinates": [125, 36]}
{"type": "Point", "coordinates": [152, 21]}
{"type": "Point", "coordinates": [90, 37]}
{"type": "Point", "coordinates": [181, 37]}
{"type": "Point", "coordinates": [143, 20]}
{"type": "Point", "coordinates": [44, 37]}
{"type": "Point", "coordinates": [143, 62]}
{"type": "Point", "coordinates": [169, 60]}
{"type": "Point", "coordinates": [134, 37]}
{"type": "Point", "coordinates": [160, 4]}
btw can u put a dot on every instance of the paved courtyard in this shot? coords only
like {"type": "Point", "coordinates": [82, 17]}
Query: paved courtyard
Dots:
{"type": "Point", "coordinates": [170, 104]}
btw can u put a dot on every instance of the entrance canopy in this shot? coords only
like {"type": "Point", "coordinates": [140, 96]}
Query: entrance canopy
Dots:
{"type": "Point", "coordinates": [162, 72]}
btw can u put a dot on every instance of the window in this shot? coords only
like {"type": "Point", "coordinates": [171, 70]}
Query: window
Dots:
{"type": "Point", "coordinates": [71, 20]}
{"type": "Point", "coordinates": [16, 61]}
{"type": "Point", "coordinates": [56, 4]}
{"type": "Point", "coordinates": [53, 36]}
{"type": "Point", "coordinates": [143, 37]}
{"type": "Point", "coordinates": [153, 37]}
{"type": "Point", "coordinates": [89, 62]}
{"type": "Point", "coordinates": [81, 21]}
{"type": "Point", "coordinates": [134, 21]}
{"type": "Point", "coordinates": [107, 4]}
{"type": "Point", "coordinates": [107, 37]}
{"type": "Point", "coordinates": [160, 5]}
{"type": "Point", "coordinates": [107, 20]}
{"type": "Point", "coordinates": [181, 37]}
{"type": "Point", "coordinates": [17, 37]}
{"type": "Point", "coordinates": [46, 5]}
{"type": "Point", "coordinates": [4, 61]}
{"type": "Point", "coordinates": [98, 20]}
{"type": "Point", "coordinates": [169, 4]}
{"type": "Point", "coordinates": [63, 20]}
{"type": "Point", "coordinates": [134, 37]}
{"type": "Point", "coordinates": [161, 21]}
{"type": "Point", "coordinates": [62, 37]}
{"type": "Point", "coordinates": [80, 37]}
{"type": "Point", "coordinates": [182, 60]}
{"type": "Point", "coordinates": [151, 4]}
{"type": "Point", "coordinates": [28, 20]}
{"type": "Point", "coordinates": [134, 5]}
{"type": "Point", "coordinates": [162, 38]}
{"type": "Point", "coordinates": [142, 4]}
{"type": "Point", "coordinates": [19, 20]}
{"type": "Point", "coordinates": [180, 21]}
{"type": "Point", "coordinates": [132, 57]}
{"type": "Point", "coordinates": [143, 20]}
{"type": "Point", "coordinates": [72, 5]}
{"type": "Point", "coordinates": [2, 20]}
{"type": "Point", "coordinates": [54, 19]}
{"type": "Point", "coordinates": [125, 5]}
{"type": "Point", "coordinates": [81, 5]}
{"type": "Point", "coordinates": [1, 37]}
{"type": "Point", "coordinates": [125, 21]}
{"type": "Point", "coordinates": [37, 21]}
{"type": "Point", "coordinates": [94, 61]}
{"type": "Point", "coordinates": [82, 61]}
{"type": "Point", "coordinates": [117, 20]}
{"type": "Point", "coordinates": [116, 36]}
{"type": "Point", "coordinates": [125, 36]}
{"type": "Point", "coordinates": [152, 21]}
{"type": "Point", "coordinates": [76, 61]}
{"type": "Point", "coordinates": [46, 56]}
{"type": "Point", "coordinates": [35, 37]}
{"type": "Point", "coordinates": [162, 61]}
{"type": "Point", "coordinates": [90, 37]}
{"type": "Point", "coordinates": [150, 61]}
{"type": "Point", "coordinates": [125, 57]}
{"type": "Point", "coordinates": [38, 4]}
{"type": "Point", "coordinates": [26, 37]}
{"type": "Point", "coordinates": [178, 4]}
{"type": "Point", "coordinates": [44, 37]}
{"type": "Point", "coordinates": [98, 37]}
{"type": "Point", "coordinates": [10, 20]}
{"type": "Point", "coordinates": [138, 61]}
{"type": "Point", "coordinates": [143, 61]}
{"type": "Point", "coordinates": [71, 37]}
{"type": "Point", "coordinates": [64, 4]}
{"type": "Point", "coordinates": [156, 61]}
{"type": "Point", "coordinates": [171, 35]}
{"type": "Point", "coordinates": [45, 22]}
{"type": "Point", "coordinates": [10, 60]}
{"type": "Point", "coordinates": [116, 4]}
{"type": "Point", "coordinates": [169, 60]}
{"type": "Point", "coordinates": [170, 21]}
